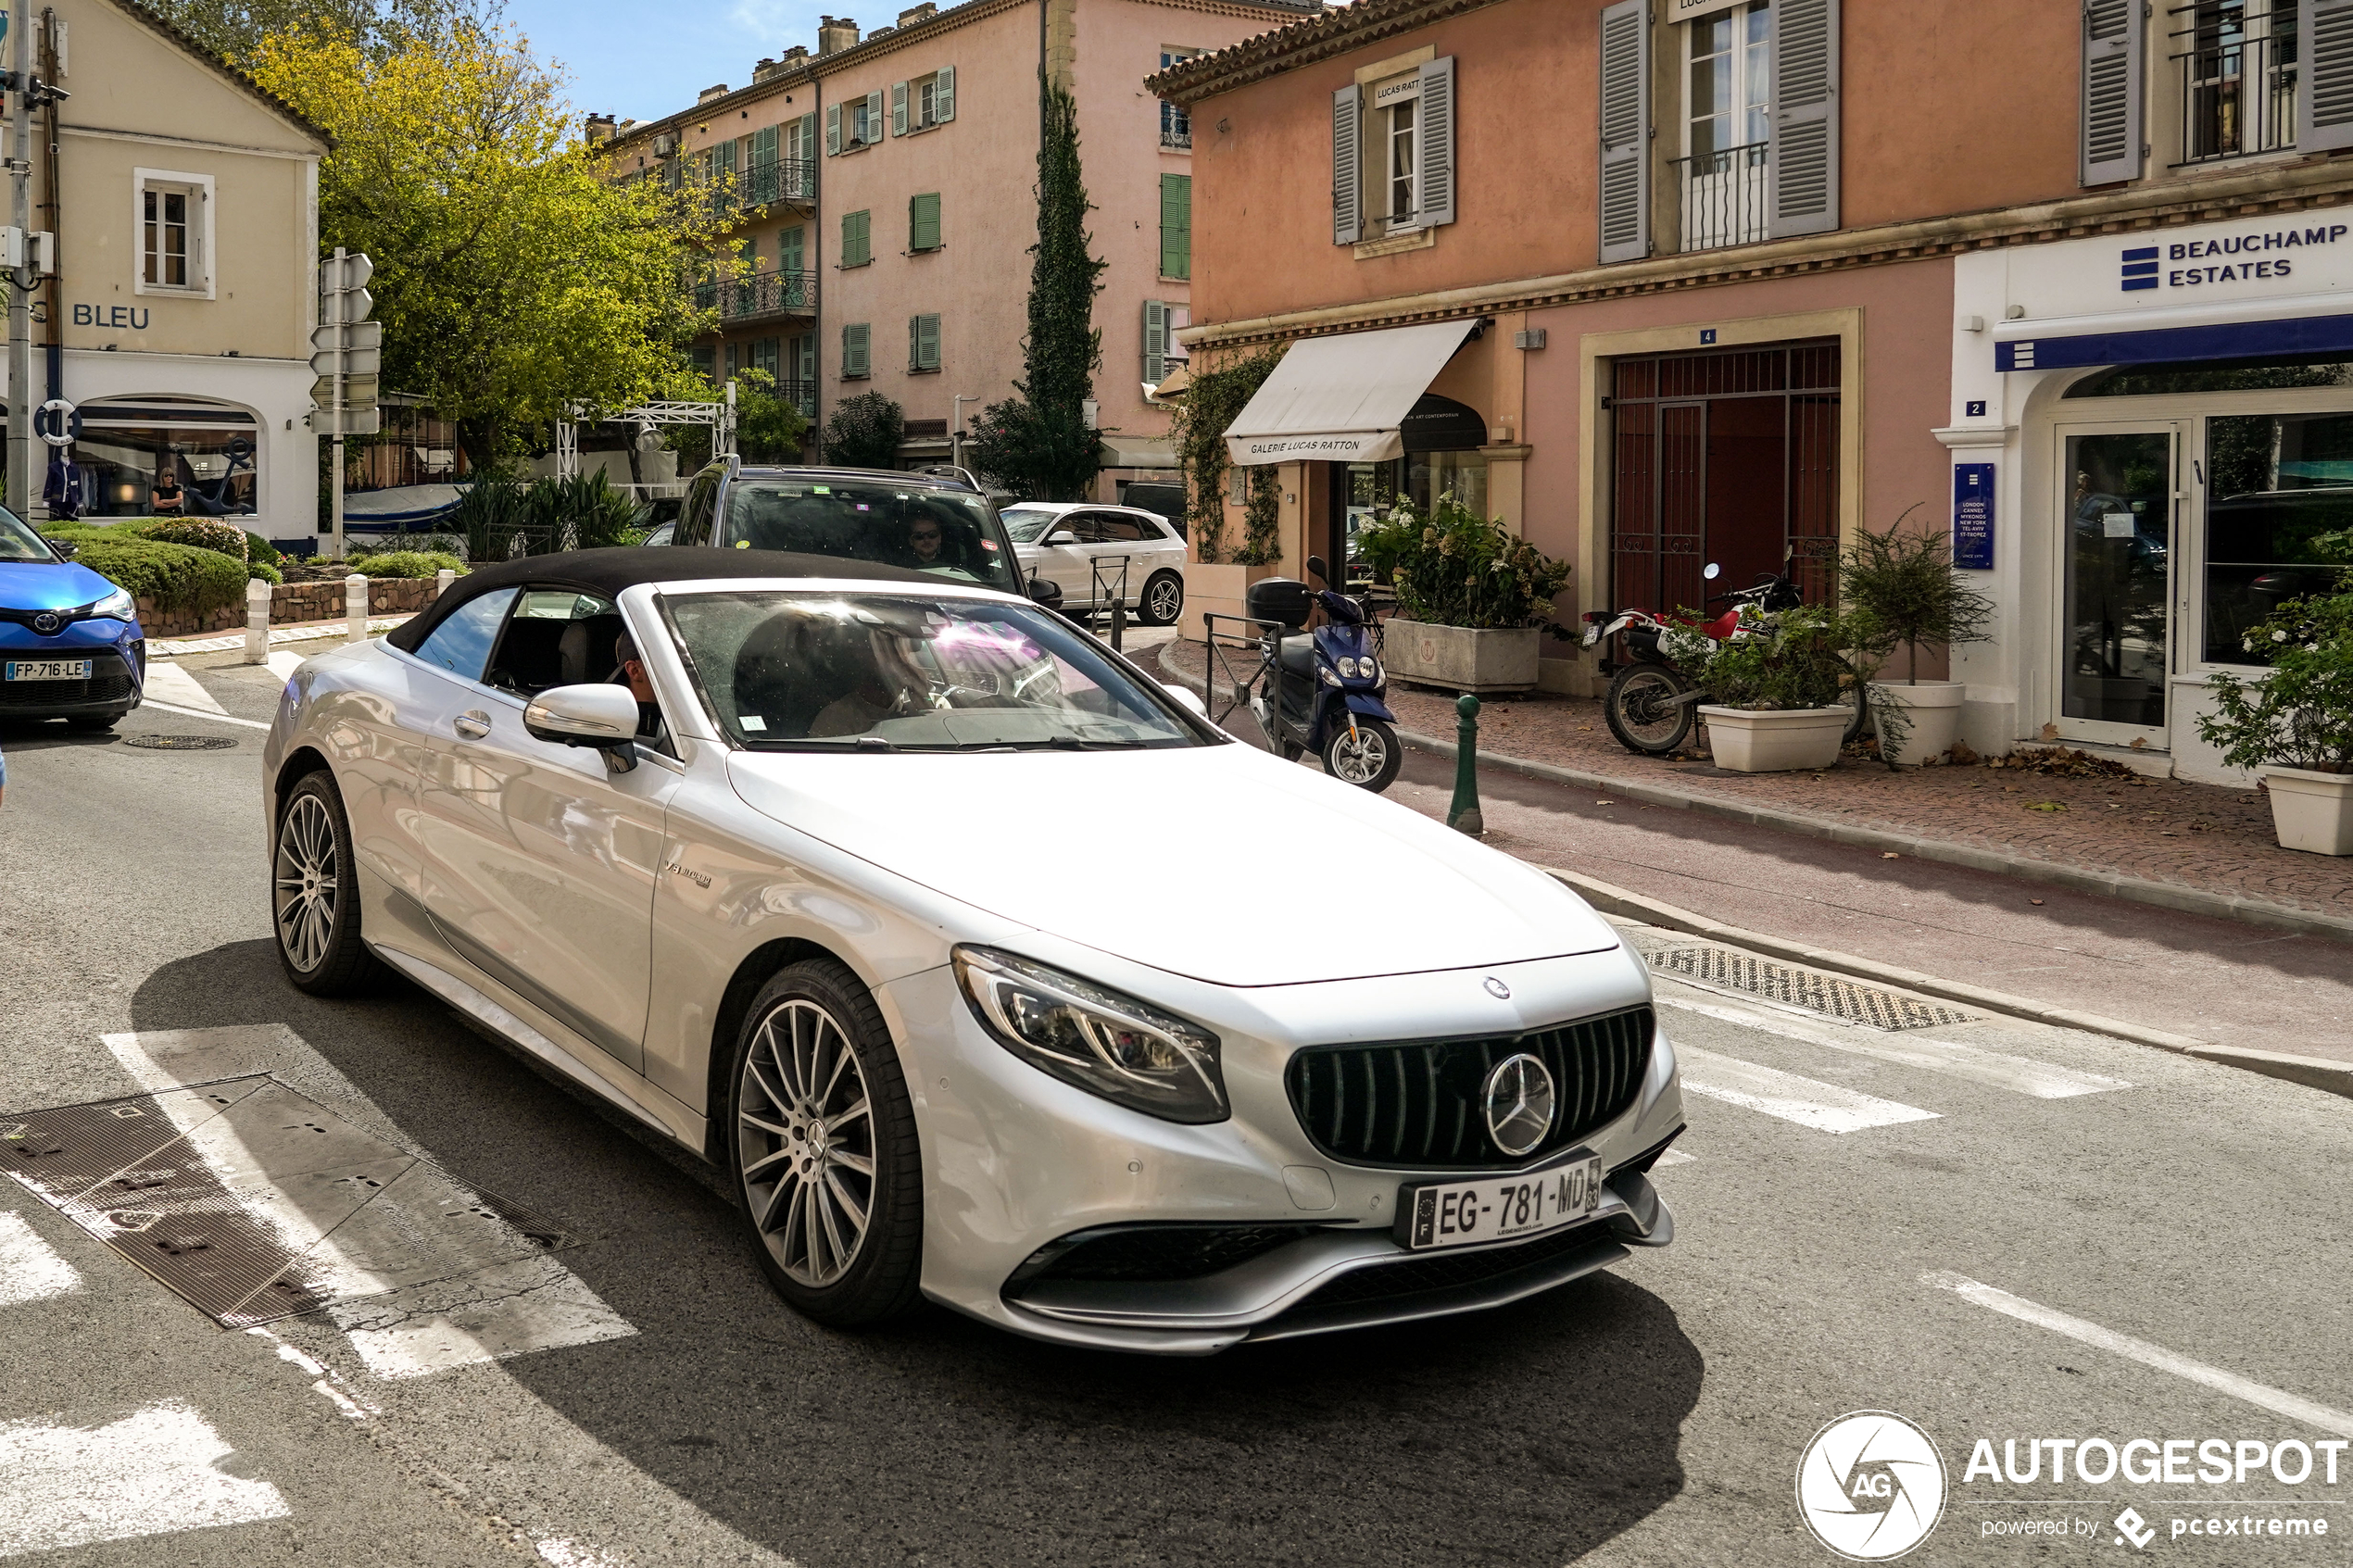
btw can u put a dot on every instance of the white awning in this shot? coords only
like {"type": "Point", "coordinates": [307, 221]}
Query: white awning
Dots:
{"type": "Point", "coordinates": [1342, 399]}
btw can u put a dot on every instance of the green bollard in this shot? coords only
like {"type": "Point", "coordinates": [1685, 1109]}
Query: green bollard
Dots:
{"type": "Point", "coordinates": [1463, 815]}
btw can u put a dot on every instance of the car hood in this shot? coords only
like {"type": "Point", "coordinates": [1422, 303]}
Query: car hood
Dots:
{"type": "Point", "coordinates": [1218, 863]}
{"type": "Point", "coordinates": [50, 585]}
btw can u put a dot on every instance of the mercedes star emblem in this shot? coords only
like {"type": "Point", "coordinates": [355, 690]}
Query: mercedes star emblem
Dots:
{"type": "Point", "coordinates": [1519, 1104]}
{"type": "Point", "coordinates": [1498, 990]}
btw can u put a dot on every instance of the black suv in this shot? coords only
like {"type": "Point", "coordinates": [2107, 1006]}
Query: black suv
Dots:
{"type": "Point", "coordinates": [925, 521]}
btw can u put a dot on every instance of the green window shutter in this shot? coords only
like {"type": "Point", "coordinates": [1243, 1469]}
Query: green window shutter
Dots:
{"type": "Point", "coordinates": [833, 128]}
{"type": "Point", "coordinates": [923, 222]}
{"type": "Point", "coordinates": [855, 233]}
{"type": "Point", "coordinates": [790, 250]}
{"type": "Point", "coordinates": [764, 145]}
{"type": "Point", "coordinates": [722, 158]}
{"type": "Point", "coordinates": [808, 368]}
{"type": "Point", "coordinates": [899, 108]}
{"type": "Point", "coordinates": [923, 342]}
{"type": "Point", "coordinates": [947, 93]}
{"type": "Point", "coordinates": [854, 342]}
{"type": "Point", "coordinates": [1155, 341]}
{"type": "Point", "coordinates": [1175, 225]}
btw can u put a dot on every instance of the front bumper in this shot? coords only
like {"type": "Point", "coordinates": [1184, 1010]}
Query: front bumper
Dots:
{"type": "Point", "coordinates": [1020, 1168]}
{"type": "Point", "coordinates": [118, 671]}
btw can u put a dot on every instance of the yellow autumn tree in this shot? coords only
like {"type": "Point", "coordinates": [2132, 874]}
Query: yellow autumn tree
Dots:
{"type": "Point", "coordinates": [514, 274]}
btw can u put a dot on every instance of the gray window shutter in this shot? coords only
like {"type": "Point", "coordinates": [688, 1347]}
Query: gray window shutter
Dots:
{"type": "Point", "coordinates": [2325, 87]}
{"type": "Point", "coordinates": [927, 344]}
{"type": "Point", "coordinates": [1626, 121]}
{"type": "Point", "coordinates": [899, 108]}
{"type": "Point", "coordinates": [833, 128]}
{"type": "Point", "coordinates": [1155, 341]}
{"type": "Point", "coordinates": [2112, 33]}
{"type": "Point", "coordinates": [855, 342]}
{"type": "Point", "coordinates": [947, 93]}
{"type": "Point", "coordinates": [1348, 175]}
{"type": "Point", "coordinates": [1800, 178]}
{"type": "Point", "coordinates": [873, 115]}
{"type": "Point", "coordinates": [1434, 139]}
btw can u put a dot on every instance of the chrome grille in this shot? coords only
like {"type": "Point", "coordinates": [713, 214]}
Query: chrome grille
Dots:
{"type": "Point", "coordinates": [1416, 1104]}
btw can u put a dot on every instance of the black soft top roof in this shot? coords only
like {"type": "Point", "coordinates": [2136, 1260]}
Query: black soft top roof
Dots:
{"type": "Point", "coordinates": [609, 572]}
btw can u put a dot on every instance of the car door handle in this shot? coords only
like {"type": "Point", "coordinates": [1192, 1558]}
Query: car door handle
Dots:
{"type": "Point", "coordinates": [472, 727]}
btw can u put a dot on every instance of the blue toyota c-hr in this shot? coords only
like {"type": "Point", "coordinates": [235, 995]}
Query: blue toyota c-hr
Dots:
{"type": "Point", "coordinates": [70, 647]}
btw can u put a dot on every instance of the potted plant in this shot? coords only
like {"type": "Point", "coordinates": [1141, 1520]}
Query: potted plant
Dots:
{"type": "Point", "coordinates": [1777, 690]}
{"type": "Point", "coordinates": [1473, 598]}
{"type": "Point", "coordinates": [2293, 725]}
{"type": "Point", "coordinates": [1905, 590]}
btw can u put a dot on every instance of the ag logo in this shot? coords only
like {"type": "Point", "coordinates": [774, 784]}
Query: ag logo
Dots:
{"type": "Point", "coordinates": [1871, 1485]}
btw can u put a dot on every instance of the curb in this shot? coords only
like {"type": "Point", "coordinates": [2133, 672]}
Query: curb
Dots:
{"type": "Point", "coordinates": [2333, 1077]}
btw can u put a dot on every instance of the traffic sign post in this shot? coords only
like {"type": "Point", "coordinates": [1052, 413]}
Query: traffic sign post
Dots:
{"type": "Point", "coordinates": [347, 354]}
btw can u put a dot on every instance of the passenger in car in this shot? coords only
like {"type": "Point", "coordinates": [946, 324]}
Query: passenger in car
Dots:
{"type": "Point", "coordinates": [631, 673]}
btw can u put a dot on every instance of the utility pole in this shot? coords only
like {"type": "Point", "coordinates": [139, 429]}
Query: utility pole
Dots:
{"type": "Point", "coordinates": [347, 357]}
{"type": "Point", "coordinates": [21, 398]}
{"type": "Point", "coordinates": [956, 430]}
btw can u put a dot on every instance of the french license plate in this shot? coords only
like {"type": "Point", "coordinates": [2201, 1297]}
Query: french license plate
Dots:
{"type": "Point", "coordinates": [45, 669]}
{"type": "Point", "coordinates": [1499, 1208]}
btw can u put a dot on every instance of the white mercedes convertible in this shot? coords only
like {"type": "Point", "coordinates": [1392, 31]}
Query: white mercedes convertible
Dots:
{"type": "Point", "coordinates": [816, 867]}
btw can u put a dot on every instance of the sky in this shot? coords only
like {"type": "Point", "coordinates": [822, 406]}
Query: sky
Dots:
{"type": "Point", "coordinates": [642, 61]}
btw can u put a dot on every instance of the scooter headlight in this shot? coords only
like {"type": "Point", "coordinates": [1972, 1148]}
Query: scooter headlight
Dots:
{"type": "Point", "coordinates": [1347, 666]}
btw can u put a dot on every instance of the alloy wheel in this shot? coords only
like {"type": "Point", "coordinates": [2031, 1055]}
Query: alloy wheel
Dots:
{"type": "Point", "coordinates": [805, 1143]}
{"type": "Point", "coordinates": [1162, 600]}
{"type": "Point", "coordinates": [307, 882]}
{"type": "Point", "coordinates": [1359, 756]}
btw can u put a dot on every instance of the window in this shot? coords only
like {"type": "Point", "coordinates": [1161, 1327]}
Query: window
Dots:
{"type": "Point", "coordinates": [857, 340]}
{"type": "Point", "coordinates": [1163, 352]}
{"type": "Point", "coordinates": [792, 250]}
{"type": "Point", "coordinates": [1393, 155]}
{"type": "Point", "coordinates": [1400, 180]}
{"type": "Point", "coordinates": [1175, 123]}
{"type": "Point", "coordinates": [923, 342]}
{"type": "Point", "coordinates": [922, 102]}
{"type": "Point", "coordinates": [1175, 225]}
{"type": "Point", "coordinates": [766, 356]}
{"type": "Point", "coordinates": [1727, 129]}
{"type": "Point", "coordinates": [175, 232]}
{"type": "Point", "coordinates": [556, 637]}
{"type": "Point", "coordinates": [855, 124]}
{"type": "Point", "coordinates": [732, 352]}
{"type": "Point", "coordinates": [856, 232]}
{"type": "Point", "coordinates": [701, 356]}
{"type": "Point", "coordinates": [923, 222]}
{"type": "Point", "coordinates": [867, 519]}
{"type": "Point", "coordinates": [461, 643]}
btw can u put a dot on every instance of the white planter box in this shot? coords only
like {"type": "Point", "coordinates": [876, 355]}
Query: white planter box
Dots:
{"type": "Point", "coordinates": [1461, 658]}
{"type": "Point", "coordinates": [1933, 708]}
{"type": "Point", "coordinates": [1774, 740]}
{"type": "Point", "coordinates": [2311, 811]}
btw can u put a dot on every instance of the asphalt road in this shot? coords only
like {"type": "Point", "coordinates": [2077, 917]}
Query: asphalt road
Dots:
{"type": "Point", "coordinates": [1845, 1187]}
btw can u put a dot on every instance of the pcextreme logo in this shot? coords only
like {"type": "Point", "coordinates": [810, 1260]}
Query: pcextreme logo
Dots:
{"type": "Point", "coordinates": [1871, 1485]}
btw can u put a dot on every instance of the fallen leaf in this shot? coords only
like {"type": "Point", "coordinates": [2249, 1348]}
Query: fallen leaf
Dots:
{"type": "Point", "coordinates": [2046, 804]}
{"type": "Point", "coordinates": [1605, 802]}
{"type": "Point", "coordinates": [2140, 742]}
{"type": "Point", "coordinates": [2034, 900]}
{"type": "Point", "coordinates": [1888, 855]}
{"type": "Point", "coordinates": [2050, 732]}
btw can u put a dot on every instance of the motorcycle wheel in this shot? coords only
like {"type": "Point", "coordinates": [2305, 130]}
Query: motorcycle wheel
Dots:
{"type": "Point", "coordinates": [1639, 713]}
{"type": "Point", "coordinates": [1367, 757]}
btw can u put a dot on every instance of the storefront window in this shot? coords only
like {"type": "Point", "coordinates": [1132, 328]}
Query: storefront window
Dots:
{"type": "Point", "coordinates": [2121, 518]}
{"type": "Point", "coordinates": [128, 449]}
{"type": "Point", "coordinates": [1431, 474]}
{"type": "Point", "coordinates": [2277, 484]}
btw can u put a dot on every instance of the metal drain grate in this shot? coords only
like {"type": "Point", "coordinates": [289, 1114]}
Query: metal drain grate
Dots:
{"type": "Point", "coordinates": [254, 1202]}
{"type": "Point", "coordinates": [180, 743]}
{"type": "Point", "coordinates": [1805, 988]}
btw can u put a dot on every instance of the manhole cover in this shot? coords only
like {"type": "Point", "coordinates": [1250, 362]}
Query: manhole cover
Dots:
{"type": "Point", "coordinates": [1803, 987]}
{"type": "Point", "coordinates": [181, 742]}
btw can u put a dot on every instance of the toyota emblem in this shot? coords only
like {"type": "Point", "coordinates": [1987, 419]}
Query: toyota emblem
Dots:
{"type": "Point", "coordinates": [48, 620]}
{"type": "Point", "coordinates": [1498, 990]}
{"type": "Point", "coordinates": [1519, 1104]}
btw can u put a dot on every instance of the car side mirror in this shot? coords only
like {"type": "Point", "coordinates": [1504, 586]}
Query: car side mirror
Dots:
{"type": "Point", "coordinates": [1186, 697]}
{"type": "Point", "coordinates": [1062, 536]}
{"type": "Point", "coordinates": [1047, 592]}
{"type": "Point", "coordinates": [64, 548]}
{"type": "Point", "coordinates": [1316, 569]}
{"type": "Point", "coordinates": [592, 714]}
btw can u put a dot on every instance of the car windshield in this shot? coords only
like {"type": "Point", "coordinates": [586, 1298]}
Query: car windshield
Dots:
{"type": "Point", "coordinates": [18, 542]}
{"type": "Point", "coordinates": [949, 531]}
{"type": "Point", "coordinates": [1029, 524]}
{"type": "Point", "coordinates": [799, 671]}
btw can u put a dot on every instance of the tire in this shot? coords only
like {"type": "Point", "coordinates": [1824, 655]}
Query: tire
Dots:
{"type": "Point", "coordinates": [1368, 757]}
{"type": "Point", "coordinates": [793, 1112]}
{"type": "Point", "coordinates": [93, 723]}
{"type": "Point", "coordinates": [1164, 599]}
{"type": "Point", "coordinates": [1640, 716]}
{"type": "Point", "coordinates": [314, 894]}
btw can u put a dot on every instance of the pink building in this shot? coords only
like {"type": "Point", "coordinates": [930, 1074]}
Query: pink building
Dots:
{"type": "Point", "coordinates": [886, 191]}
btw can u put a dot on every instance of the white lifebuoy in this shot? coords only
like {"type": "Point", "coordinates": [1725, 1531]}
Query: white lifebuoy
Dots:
{"type": "Point", "coordinates": [60, 432]}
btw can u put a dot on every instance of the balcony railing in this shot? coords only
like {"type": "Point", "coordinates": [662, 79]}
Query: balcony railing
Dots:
{"type": "Point", "coordinates": [787, 179]}
{"type": "Point", "coordinates": [801, 395]}
{"type": "Point", "coordinates": [759, 295]}
{"type": "Point", "coordinates": [1178, 137]}
{"type": "Point", "coordinates": [1721, 195]}
{"type": "Point", "coordinates": [2236, 70]}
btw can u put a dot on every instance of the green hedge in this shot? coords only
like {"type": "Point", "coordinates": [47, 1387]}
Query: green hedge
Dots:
{"type": "Point", "coordinates": [262, 550]}
{"type": "Point", "coordinates": [197, 533]}
{"type": "Point", "coordinates": [178, 577]}
{"type": "Point", "coordinates": [408, 563]}
{"type": "Point", "coordinates": [263, 571]}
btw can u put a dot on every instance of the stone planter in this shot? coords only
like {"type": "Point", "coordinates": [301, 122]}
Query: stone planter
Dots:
{"type": "Point", "coordinates": [2311, 811]}
{"type": "Point", "coordinates": [1461, 658]}
{"type": "Point", "coordinates": [1219, 590]}
{"type": "Point", "coordinates": [1774, 740]}
{"type": "Point", "coordinates": [1934, 709]}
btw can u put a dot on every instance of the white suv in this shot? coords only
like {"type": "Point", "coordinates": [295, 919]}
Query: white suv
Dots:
{"type": "Point", "coordinates": [1077, 544]}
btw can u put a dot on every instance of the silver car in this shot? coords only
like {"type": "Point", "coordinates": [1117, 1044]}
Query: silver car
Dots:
{"type": "Point", "coordinates": [787, 858]}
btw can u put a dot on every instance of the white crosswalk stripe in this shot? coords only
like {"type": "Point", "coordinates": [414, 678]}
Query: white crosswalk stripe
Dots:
{"type": "Point", "coordinates": [151, 1472]}
{"type": "Point", "coordinates": [1826, 1108]}
{"type": "Point", "coordinates": [29, 1269]}
{"type": "Point", "coordinates": [284, 663]}
{"type": "Point", "coordinates": [168, 683]}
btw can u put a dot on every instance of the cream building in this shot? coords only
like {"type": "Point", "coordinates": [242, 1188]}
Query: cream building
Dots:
{"type": "Point", "coordinates": [184, 199]}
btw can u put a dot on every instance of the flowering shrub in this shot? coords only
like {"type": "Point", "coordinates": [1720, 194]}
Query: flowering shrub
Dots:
{"type": "Point", "coordinates": [1454, 568]}
{"type": "Point", "coordinates": [1801, 657]}
{"type": "Point", "coordinates": [202, 533]}
{"type": "Point", "coordinates": [2301, 714]}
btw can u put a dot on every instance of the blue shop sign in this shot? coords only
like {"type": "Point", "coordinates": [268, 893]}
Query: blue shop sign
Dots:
{"type": "Point", "coordinates": [1973, 516]}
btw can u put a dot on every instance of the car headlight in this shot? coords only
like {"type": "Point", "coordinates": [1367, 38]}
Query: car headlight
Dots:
{"type": "Point", "coordinates": [1128, 1051]}
{"type": "Point", "coordinates": [116, 606]}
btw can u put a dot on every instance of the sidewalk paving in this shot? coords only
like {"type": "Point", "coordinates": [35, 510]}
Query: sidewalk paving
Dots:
{"type": "Point", "coordinates": [295, 632]}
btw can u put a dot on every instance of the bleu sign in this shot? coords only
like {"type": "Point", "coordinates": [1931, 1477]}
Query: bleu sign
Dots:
{"type": "Point", "coordinates": [1973, 516]}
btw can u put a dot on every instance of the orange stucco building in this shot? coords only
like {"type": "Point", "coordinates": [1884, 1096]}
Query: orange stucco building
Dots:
{"type": "Point", "coordinates": [1735, 278]}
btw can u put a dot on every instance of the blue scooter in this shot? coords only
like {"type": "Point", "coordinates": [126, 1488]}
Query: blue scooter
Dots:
{"type": "Point", "coordinates": [1323, 692]}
